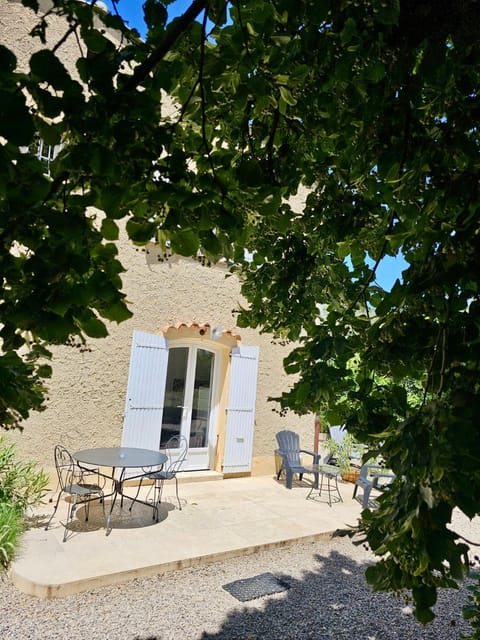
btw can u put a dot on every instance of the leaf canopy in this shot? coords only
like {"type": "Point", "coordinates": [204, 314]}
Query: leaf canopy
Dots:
{"type": "Point", "coordinates": [317, 135]}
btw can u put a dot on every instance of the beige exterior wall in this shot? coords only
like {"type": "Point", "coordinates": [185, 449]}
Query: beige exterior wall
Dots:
{"type": "Point", "coordinates": [88, 387]}
{"type": "Point", "coordinates": [16, 22]}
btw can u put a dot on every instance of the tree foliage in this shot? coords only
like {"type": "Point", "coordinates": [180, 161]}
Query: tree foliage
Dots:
{"type": "Point", "coordinates": [372, 107]}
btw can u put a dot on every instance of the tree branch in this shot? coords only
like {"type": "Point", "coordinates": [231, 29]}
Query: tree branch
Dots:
{"type": "Point", "coordinates": [176, 30]}
{"type": "Point", "coordinates": [271, 142]}
{"type": "Point", "coordinates": [203, 103]}
{"type": "Point", "coordinates": [392, 216]}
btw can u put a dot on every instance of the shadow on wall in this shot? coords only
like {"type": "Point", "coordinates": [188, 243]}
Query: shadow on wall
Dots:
{"type": "Point", "coordinates": [333, 602]}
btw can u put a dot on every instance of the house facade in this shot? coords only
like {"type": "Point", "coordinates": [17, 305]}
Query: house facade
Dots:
{"type": "Point", "coordinates": [179, 365]}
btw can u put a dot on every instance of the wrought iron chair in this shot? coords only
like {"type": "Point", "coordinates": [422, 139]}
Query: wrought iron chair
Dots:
{"type": "Point", "coordinates": [176, 449]}
{"type": "Point", "coordinates": [289, 450]}
{"type": "Point", "coordinates": [73, 481]}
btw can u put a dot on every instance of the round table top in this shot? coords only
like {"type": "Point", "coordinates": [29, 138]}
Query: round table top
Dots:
{"type": "Point", "coordinates": [120, 457]}
{"type": "Point", "coordinates": [326, 468]}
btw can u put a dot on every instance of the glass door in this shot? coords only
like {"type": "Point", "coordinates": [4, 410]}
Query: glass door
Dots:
{"type": "Point", "coordinates": [188, 402]}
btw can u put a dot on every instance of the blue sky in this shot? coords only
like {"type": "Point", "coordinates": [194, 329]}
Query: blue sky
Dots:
{"type": "Point", "coordinates": [389, 270]}
{"type": "Point", "coordinates": [132, 12]}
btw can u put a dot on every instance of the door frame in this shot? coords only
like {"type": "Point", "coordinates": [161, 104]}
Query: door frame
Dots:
{"type": "Point", "coordinates": [203, 458]}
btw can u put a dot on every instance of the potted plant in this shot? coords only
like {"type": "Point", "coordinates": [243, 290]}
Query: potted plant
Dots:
{"type": "Point", "coordinates": [343, 451]}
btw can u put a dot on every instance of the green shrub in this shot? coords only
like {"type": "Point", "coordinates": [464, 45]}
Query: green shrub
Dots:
{"type": "Point", "coordinates": [22, 485]}
{"type": "Point", "coordinates": [11, 528]}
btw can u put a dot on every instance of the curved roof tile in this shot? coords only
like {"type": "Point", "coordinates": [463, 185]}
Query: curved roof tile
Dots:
{"type": "Point", "coordinates": [201, 325]}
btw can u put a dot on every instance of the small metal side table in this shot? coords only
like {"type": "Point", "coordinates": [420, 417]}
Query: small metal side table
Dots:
{"type": "Point", "coordinates": [328, 484]}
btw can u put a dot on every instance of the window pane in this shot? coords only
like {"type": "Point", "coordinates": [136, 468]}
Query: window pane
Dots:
{"type": "Point", "coordinates": [201, 398]}
{"type": "Point", "coordinates": [174, 394]}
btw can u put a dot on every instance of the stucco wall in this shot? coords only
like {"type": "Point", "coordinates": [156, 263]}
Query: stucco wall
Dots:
{"type": "Point", "coordinates": [16, 22]}
{"type": "Point", "coordinates": [87, 390]}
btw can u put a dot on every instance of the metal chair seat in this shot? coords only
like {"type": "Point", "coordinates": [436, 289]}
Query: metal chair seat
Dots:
{"type": "Point", "coordinates": [72, 482]}
{"type": "Point", "coordinates": [176, 449]}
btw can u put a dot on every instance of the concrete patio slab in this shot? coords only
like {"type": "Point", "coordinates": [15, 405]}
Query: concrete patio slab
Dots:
{"type": "Point", "coordinates": [218, 520]}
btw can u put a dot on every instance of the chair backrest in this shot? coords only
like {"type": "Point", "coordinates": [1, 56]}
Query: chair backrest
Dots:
{"type": "Point", "coordinates": [65, 466]}
{"type": "Point", "coordinates": [289, 445]}
{"type": "Point", "coordinates": [337, 433]}
{"type": "Point", "coordinates": [176, 450]}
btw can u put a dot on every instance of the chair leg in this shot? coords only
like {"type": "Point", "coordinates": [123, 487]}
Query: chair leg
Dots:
{"type": "Point", "coordinates": [54, 510]}
{"type": "Point", "coordinates": [366, 496]}
{"type": "Point", "coordinates": [72, 507]}
{"type": "Point", "coordinates": [288, 478]}
{"type": "Point", "coordinates": [136, 495]}
{"type": "Point", "coordinates": [367, 488]}
{"type": "Point", "coordinates": [155, 502]}
{"type": "Point", "coordinates": [176, 489]}
{"type": "Point", "coordinates": [57, 488]}
{"type": "Point", "coordinates": [159, 491]}
{"type": "Point", "coordinates": [329, 492]}
{"type": "Point", "coordinates": [337, 489]}
{"type": "Point", "coordinates": [102, 502]}
{"type": "Point", "coordinates": [320, 488]}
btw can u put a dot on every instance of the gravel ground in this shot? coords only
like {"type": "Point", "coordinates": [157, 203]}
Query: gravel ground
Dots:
{"type": "Point", "coordinates": [328, 599]}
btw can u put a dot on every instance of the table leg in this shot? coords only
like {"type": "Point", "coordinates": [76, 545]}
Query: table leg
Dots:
{"type": "Point", "coordinates": [119, 491]}
{"type": "Point", "coordinates": [327, 477]}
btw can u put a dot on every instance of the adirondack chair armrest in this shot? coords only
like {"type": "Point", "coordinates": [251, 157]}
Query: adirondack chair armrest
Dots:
{"type": "Point", "coordinates": [316, 456]}
{"type": "Point", "coordinates": [284, 455]}
{"type": "Point", "coordinates": [373, 467]}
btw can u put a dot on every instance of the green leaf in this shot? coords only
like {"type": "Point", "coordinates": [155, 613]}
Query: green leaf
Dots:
{"type": "Point", "coordinates": [111, 200]}
{"type": "Point", "coordinates": [376, 71]}
{"type": "Point", "coordinates": [47, 67]}
{"type": "Point", "coordinates": [95, 41]}
{"type": "Point", "coordinates": [185, 242]}
{"type": "Point", "coordinates": [51, 133]}
{"type": "Point", "coordinates": [140, 230]}
{"type": "Point", "coordinates": [349, 30]}
{"type": "Point", "coordinates": [389, 12]}
{"type": "Point", "coordinates": [343, 249]}
{"type": "Point", "coordinates": [250, 172]}
{"type": "Point", "coordinates": [117, 312]}
{"type": "Point", "coordinates": [211, 244]}
{"type": "Point", "coordinates": [8, 60]}
{"type": "Point", "coordinates": [301, 392]}
{"type": "Point", "coordinates": [155, 14]}
{"type": "Point", "coordinates": [94, 328]}
{"type": "Point", "coordinates": [16, 123]}
{"type": "Point", "coordinates": [109, 229]}
{"type": "Point", "coordinates": [45, 371]}
{"type": "Point", "coordinates": [287, 96]}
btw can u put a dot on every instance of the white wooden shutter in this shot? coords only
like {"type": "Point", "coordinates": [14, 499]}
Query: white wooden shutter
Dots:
{"type": "Point", "coordinates": [241, 410]}
{"type": "Point", "coordinates": [145, 391]}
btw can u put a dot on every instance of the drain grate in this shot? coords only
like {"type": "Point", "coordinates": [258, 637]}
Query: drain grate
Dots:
{"type": "Point", "coordinates": [256, 587]}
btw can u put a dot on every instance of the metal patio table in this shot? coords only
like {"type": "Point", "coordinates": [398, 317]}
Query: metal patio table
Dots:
{"type": "Point", "coordinates": [121, 458]}
{"type": "Point", "coordinates": [329, 474]}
